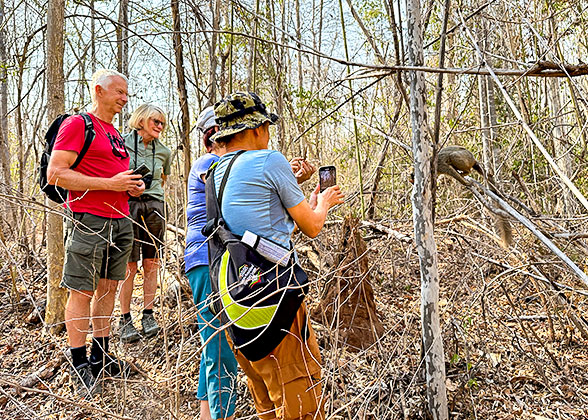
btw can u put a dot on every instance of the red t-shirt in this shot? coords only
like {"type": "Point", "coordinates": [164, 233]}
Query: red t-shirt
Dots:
{"type": "Point", "coordinates": [105, 158]}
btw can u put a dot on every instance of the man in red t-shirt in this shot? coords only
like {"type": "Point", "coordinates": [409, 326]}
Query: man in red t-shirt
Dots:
{"type": "Point", "coordinates": [99, 234]}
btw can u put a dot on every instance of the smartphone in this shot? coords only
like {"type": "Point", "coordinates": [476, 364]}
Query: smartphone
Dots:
{"type": "Point", "coordinates": [327, 177]}
{"type": "Point", "coordinates": [141, 170]}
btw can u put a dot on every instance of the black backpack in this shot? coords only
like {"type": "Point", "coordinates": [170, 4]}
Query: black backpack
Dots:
{"type": "Point", "coordinates": [53, 192]}
{"type": "Point", "coordinates": [256, 299]}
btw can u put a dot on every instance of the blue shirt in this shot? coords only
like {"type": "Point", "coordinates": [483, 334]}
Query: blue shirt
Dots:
{"type": "Point", "coordinates": [260, 187]}
{"type": "Point", "coordinates": [196, 252]}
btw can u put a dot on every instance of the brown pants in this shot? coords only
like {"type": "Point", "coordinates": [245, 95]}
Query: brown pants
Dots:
{"type": "Point", "coordinates": [286, 383]}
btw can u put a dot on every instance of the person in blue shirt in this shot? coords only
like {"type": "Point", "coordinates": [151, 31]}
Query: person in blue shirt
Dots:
{"type": "Point", "coordinates": [218, 367]}
{"type": "Point", "coordinates": [262, 196]}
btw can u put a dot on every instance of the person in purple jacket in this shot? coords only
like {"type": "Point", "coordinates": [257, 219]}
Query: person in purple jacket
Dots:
{"type": "Point", "coordinates": [218, 367]}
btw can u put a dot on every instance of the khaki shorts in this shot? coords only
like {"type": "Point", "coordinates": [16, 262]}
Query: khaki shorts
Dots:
{"type": "Point", "coordinates": [95, 247]}
{"type": "Point", "coordinates": [286, 383]}
{"type": "Point", "coordinates": [148, 229]}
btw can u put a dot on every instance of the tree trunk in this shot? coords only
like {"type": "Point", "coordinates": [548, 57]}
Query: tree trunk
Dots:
{"type": "Point", "coordinates": [92, 36]}
{"type": "Point", "coordinates": [496, 154]}
{"type": "Point", "coordinates": [484, 114]}
{"type": "Point", "coordinates": [484, 123]}
{"type": "Point", "coordinates": [275, 72]}
{"type": "Point", "coordinates": [4, 149]}
{"type": "Point", "coordinates": [122, 38]}
{"type": "Point", "coordinates": [422, 200]}
{"type": "Point", "coordinates": [564, 202]}
{"type": "Point", "coordinates": [298, 46]}
{"type": "Point", "coordinates": [56, 296]}
{"type": "Point", "coordinates": [213, 55]}
{"type": "Point", "coordinates": [231, 46]}
{"type": "Point", "coordinates": [20, 134]}
{"type": "Point", "coordinates": [183, 93]}
{"type": "Point", "coordinates": [252, 67]}
{"type": "Point", "coordinates": [355, 129]}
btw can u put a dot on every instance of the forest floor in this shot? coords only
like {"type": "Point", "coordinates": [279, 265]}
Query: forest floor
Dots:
{"type": "Point", "coordinates": [512, 348]}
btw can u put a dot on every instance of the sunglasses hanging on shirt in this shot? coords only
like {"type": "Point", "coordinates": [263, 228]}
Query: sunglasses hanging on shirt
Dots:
{"type": "Point", "coordinates": [118, 146]}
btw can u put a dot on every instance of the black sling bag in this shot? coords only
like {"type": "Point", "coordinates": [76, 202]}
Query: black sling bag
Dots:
{"type": "Point", "coordinates": [256, 299]}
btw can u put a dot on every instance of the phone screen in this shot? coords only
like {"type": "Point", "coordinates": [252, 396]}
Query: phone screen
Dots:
{"type": "Point", "coordinates": [327, 177]}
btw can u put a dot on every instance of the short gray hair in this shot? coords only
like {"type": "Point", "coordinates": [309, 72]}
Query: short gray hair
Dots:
{"type": "Point", "coordinates": [101, 78]}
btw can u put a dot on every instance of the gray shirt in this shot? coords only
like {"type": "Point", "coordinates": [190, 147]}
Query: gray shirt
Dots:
{"type": "Point", "coordinates": [156, 156]}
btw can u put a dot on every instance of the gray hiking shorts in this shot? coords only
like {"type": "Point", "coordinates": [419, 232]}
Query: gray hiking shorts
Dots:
{"type": "Point", "coordinates": [95, 247]}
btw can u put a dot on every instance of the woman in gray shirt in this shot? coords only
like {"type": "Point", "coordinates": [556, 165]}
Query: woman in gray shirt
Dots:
{"type": "Point", "coordinates": [148, 214]}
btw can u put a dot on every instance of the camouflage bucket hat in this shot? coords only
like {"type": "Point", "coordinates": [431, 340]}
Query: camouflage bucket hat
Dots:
{"type": "Point", "coordinates": [240, 111]}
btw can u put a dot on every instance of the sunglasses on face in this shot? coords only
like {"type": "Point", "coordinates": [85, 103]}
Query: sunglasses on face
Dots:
{"type": "Point", "coordinates": [158, 122]}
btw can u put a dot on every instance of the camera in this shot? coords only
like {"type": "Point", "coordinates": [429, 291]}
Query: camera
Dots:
{"type": "Point", "coordinates": [146, 175]}
{"type": "Point", "coordinates": [147, 179]}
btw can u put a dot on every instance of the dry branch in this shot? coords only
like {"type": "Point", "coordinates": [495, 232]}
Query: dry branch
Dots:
{"type": "Point", "coordinates": [510, 211]}
{"type": "Point", "coordinates": [80, 403]}
{"type": "Point", "coordinates": [402, 237]}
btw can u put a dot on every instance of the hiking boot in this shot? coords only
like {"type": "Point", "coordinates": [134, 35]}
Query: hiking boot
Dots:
{"type": "Point", "coordinates": [83, 382]}
{"type": "Point", "coordinates": [109, 366]}
{"type": "Point", "coordinates": [128, 332]}
{"type": "Point", "coordinates": [150, 327]}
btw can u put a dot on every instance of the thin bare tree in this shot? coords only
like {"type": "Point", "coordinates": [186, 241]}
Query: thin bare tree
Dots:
{"type": "Point", "coordinates": [212, 54]}
{"type": "Point", "coordinates": [182, 91]}
{"type": "Point", "coordinates": [56, 296]}
{"type": "Point", "coordinates": [122, 42]}
{"type": "Point", "coordinates": [423, 205]}
{"type": "Point", "coordinates": [4, 149]}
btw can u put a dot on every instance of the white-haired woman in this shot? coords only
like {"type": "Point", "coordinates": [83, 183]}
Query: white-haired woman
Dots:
{"type": "Point", "coordinates": [148, 213]}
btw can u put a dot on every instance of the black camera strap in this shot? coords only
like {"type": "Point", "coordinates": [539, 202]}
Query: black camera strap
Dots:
{"type": "Point", "coordinates": [136, 135]}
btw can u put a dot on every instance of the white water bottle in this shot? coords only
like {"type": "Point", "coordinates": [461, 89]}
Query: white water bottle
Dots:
{"type": "Point", "coordinates": [267, 249]}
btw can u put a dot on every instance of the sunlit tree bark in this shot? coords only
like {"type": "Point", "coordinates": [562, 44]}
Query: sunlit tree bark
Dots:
{"type": "Point", "coordinates": [182, 91]}
{"type": "Point", "coordinates": [56, 296]}
{"type": "Point", "coordinates": [122, 38]}
{"type": "Point", "coordinates": [422, 201]}
{"type": "Point", "coordinates": [4, 149]}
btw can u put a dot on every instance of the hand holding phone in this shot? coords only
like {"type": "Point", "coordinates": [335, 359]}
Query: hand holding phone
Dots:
{"type": "Point", "coordinates": [327, 177]}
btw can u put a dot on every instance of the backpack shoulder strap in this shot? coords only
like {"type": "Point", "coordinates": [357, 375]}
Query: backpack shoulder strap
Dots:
{"type": "Point", "coordinates": [89, 135]}
{"type": "Point", "coordinates": [54, 128]}
{"type": "Point", "coordinates": [225, 178]}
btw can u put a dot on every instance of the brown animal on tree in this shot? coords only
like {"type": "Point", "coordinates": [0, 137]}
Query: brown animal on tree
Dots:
{"type": "Point", "coordinates": [458, 162]}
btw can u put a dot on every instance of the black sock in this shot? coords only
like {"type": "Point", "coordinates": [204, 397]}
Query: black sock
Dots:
{"type": "Point", "coordinates": [78, 355]}
{"type": "Point", "coordinates": [126, 317]}
{"type": "Point", "coordinates": [147, 311]}
{"type": "Point", "coordinates": [99, 347]}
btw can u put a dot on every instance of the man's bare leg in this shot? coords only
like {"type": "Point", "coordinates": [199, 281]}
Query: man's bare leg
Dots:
{"type": "Point", "coordinates": [77, 316]}
{"type": "Point", "coordinates": [102, 306]}
{"type": "Point", "coordinates": [101, 361]}
{"type": "Point", "coordinates": [204, 410]}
